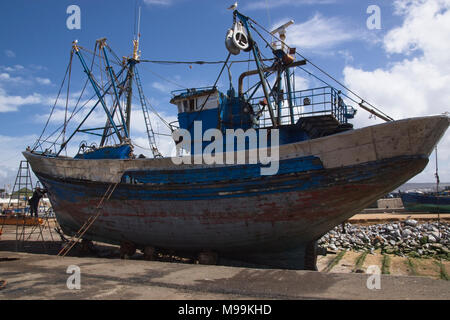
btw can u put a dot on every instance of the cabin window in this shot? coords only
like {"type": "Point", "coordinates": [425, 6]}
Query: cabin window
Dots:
{"type": "Point", "coordinates": [198, 105]}
{"type": "Point", "coordinates": [192, 105]}
{"type": "Point", "coordinates": [185, 104]}
{"type": "Point", "coordinates": [210, 104]}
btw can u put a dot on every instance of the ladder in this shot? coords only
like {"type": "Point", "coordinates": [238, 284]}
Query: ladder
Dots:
{"type": "Point", "coordinates": [85, 227]}
{"type": "Point", "coordinates": [21, 189]}
{"type": "Point", "coordinates": [22, 186]}
{"type": "Point", "coordinates": [148, 124]}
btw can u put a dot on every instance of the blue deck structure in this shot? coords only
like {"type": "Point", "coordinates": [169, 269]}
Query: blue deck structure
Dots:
{"type": "Point", "coordinates": [313, 113]}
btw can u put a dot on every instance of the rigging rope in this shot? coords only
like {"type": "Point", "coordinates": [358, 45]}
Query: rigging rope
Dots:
{"type": "Point", "coordinates": [155, 112]}
{"type": "Point", "coordinates": [53, 108]}
{"type": "Point", "coordinates": [136, 145]}
{"type": "Point", "coordinates": [75, 107]}
{"type": "Point", "coordinates": [200, 62]}
{"type": "Point", "coordinates": [97, 55]}
{"type": "Point", "coordinates": [67, 95]}
{"type": "Point", "coordinates": [74, 111]}
{"type": "Point", "coordinates": [382, 116]}
{"type": "Point", "coordinates": [326, 73]}
{"type": "Point", "coordinates": [207, 98]}
{"type": "Point", "coordinates": [165, 79]}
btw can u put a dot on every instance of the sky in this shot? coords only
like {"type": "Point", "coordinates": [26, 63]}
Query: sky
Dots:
{"type": "Point", "coordinates": [403, 67]}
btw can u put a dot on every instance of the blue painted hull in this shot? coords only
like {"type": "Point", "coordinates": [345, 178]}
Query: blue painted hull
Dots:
{"type": "Point", "coordinates": [197, 210]}
{"type": "Point", "coordinates": [417, 202]}
{"type": "Point", "coordinates": [234, 209]}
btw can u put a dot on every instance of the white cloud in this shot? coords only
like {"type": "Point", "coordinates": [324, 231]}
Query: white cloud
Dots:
{"type": "Point", "coordinates": [10, 54]}
{"type": "Point", "coordinates": [44, 81]}
{"type": "Point", "coordinates": [301, 83]}
{"type": "Point", "coordinates": [417, 85]}
{"type": "Point", "coordinates": [266, 4]}
{"type": "Point", "coordinates": [158, 2]}
{"type": "Point", "coordinates": [14, 68]}
{"type": "Point", "coordinates": [163, 86]}
{"type": "Point", "coordinates": [319, 32]}
{"type": "Point", "coordinates": [6, 77]}
{"type": "Point", "coordinates": [11, 156]}
{"type": "Point", "coordinates": [9, 103]}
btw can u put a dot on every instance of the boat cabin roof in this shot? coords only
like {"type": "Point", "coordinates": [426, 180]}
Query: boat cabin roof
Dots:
{"type": "Point", "coordinates": [192, 93]}
{"type": "Point", "coordinates": [192, 100]}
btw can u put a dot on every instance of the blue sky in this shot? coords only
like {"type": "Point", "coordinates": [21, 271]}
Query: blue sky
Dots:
{"type": "Point", "coordinates": [402, 68]}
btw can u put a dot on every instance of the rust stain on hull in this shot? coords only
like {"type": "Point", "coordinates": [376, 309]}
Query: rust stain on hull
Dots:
{"type": "Point", "coordinates": [266, 221]}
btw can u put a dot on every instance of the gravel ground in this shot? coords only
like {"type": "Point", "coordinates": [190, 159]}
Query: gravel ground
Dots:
{"type": "Point", "coordinates": [406, 238]}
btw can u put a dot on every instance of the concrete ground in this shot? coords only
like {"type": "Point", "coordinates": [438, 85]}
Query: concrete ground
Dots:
{"type": "Point", "coordinates": [37, 276]}
{"type": "Point", "coordinates": [31, 274]}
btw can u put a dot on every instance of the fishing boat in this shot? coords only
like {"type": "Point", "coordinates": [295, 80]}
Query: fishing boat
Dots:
{"type": "Point", "coordinates": [309, 171]}
{"type": "Point", "coordinates": [426, 202]}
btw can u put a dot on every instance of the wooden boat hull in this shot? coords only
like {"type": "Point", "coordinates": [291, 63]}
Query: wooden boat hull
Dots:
{"type": "Point", "coordinates": [232, 209]}
{"type": "Point", "coordinates": [277, 214]}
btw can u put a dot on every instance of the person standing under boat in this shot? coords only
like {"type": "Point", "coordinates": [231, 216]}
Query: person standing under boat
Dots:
{"type": "Point", "coordinates": [34, 201]}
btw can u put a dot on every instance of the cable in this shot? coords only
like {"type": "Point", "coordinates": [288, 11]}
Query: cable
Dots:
{"type": "Point", "coordinates": [327, 74]}
{"type": "Point", "coordinates": [214, 87]}
{"type": "Point", "coordinates": [54, 105]}
{"type": "Point", "coordinates": [165, 79]}
{"type": "Point", "coordinates": [200, 62]}
{"type": "Point", "coordinates": [382, 116]}
{"type": "Point", "coordinates": [73, 111]}
{"type": "Point", "coordinates": [67, 95]}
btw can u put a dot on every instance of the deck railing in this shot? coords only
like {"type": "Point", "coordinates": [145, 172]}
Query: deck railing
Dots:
{"type": "Point", "coordinates": [305, 103]}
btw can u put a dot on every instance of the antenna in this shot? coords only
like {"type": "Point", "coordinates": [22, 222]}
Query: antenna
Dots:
{"type": "Point", "coordinates": [137, 38]}
{"type": "Point", "coordinates": [281, 30]}
{"type": "Point", "coordinates": [134, 26]}
{"type": "Point", "coordinates": [139, 24]}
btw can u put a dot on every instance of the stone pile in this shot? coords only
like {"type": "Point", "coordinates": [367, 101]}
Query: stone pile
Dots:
{"type": "Point", "coordinates": [406, 238]}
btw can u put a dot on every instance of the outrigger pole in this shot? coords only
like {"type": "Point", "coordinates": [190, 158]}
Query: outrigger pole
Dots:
{"type": "Point", "coordinates": [100, 100]}
{"type": "Point", "coordinates": [97, 91]}
{"type": "Point", "coordinates": [256, 54]}
{"type": "Point", "coordinates": [102, 45]}
{"type": "Point", "coordinates": [63, 145]}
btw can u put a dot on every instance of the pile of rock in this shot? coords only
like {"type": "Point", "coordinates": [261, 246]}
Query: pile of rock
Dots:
{"type": "Point", "coordinates": [400, 238]}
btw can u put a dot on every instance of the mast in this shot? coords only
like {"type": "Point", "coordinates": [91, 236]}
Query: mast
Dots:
{"type": "Point", "coordinates": [130, 77]}
{"type": "Point", "coordinates": [255, 51]}
{"type": "Point", "coordinates": [287, 74]}
{"type": "Point", "coordinates": [131, 64]}
{"type": "Point", "coordinates": [116, 104]}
